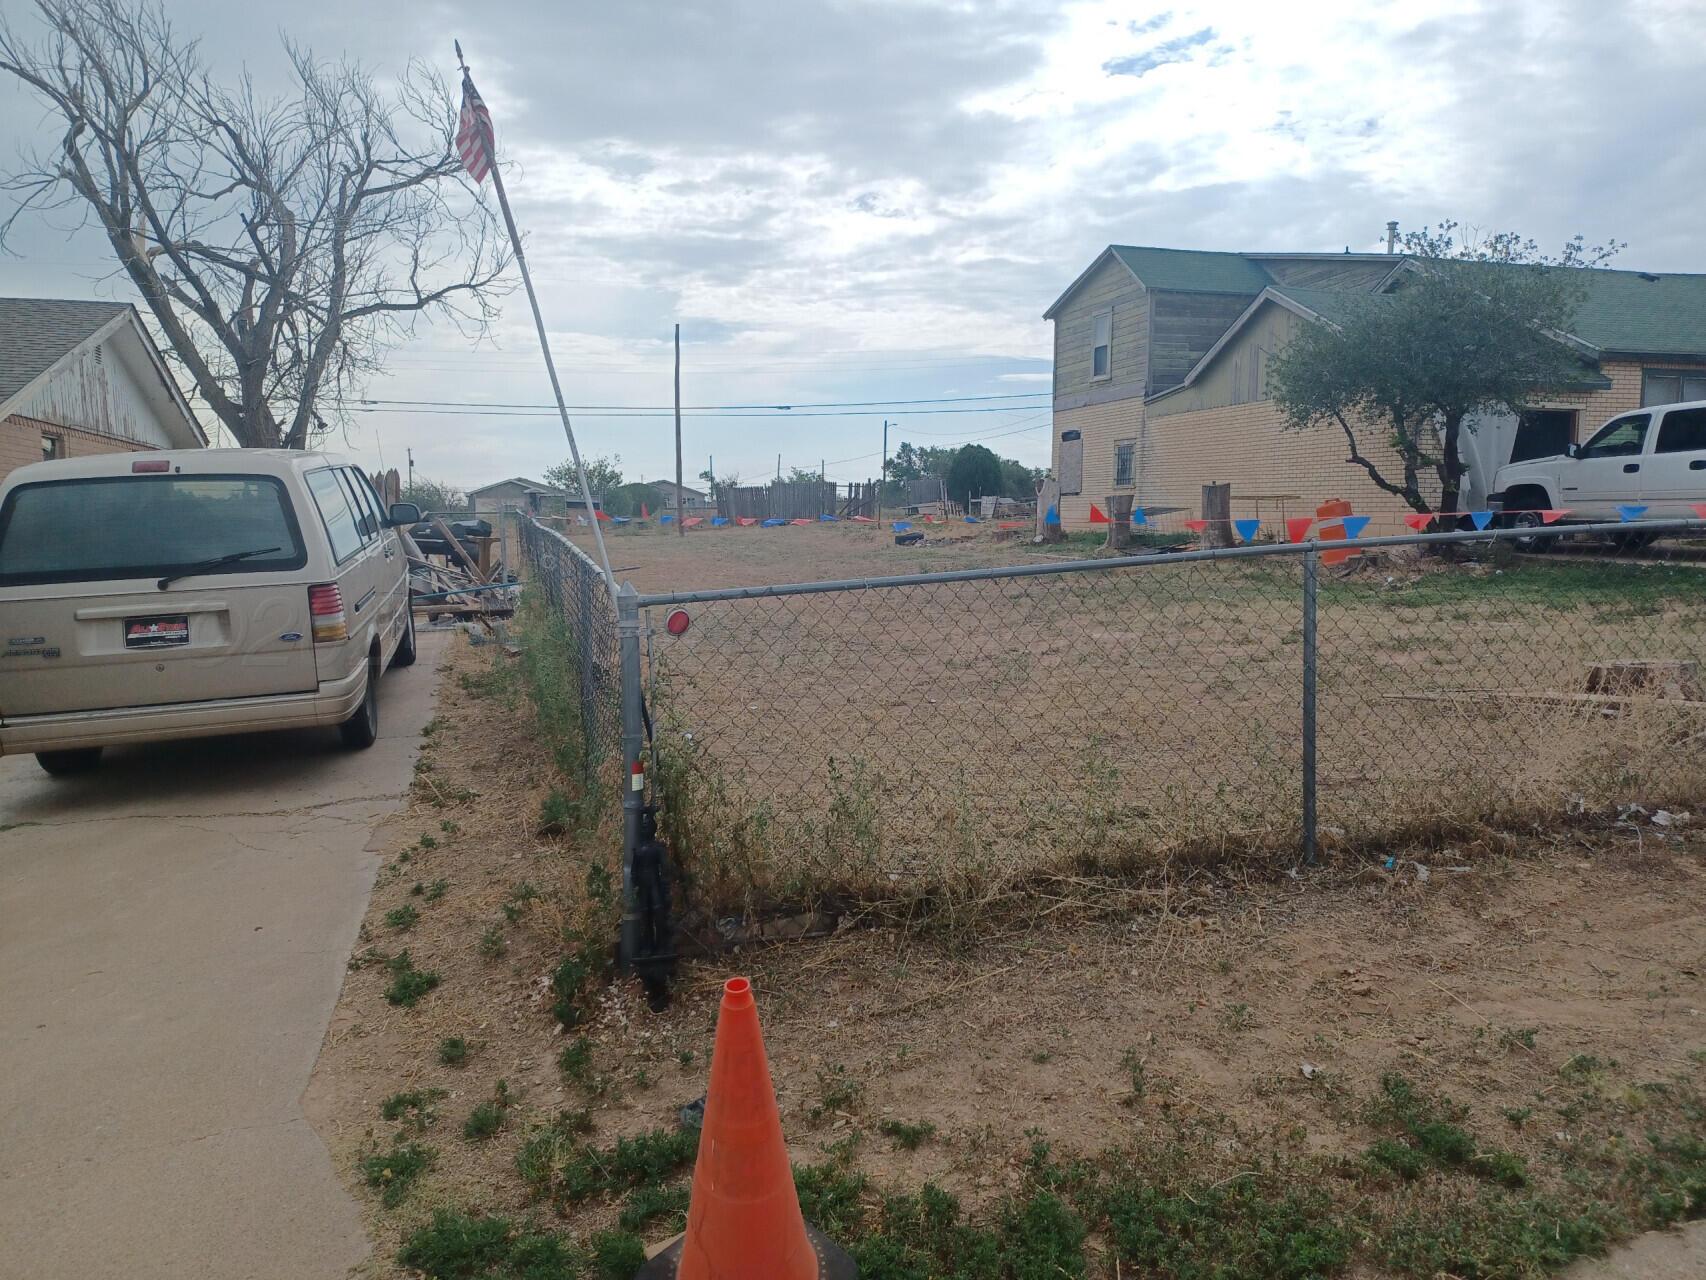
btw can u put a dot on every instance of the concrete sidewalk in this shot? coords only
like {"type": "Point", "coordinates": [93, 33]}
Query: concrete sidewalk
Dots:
{"type": "Point", "coordinates": [174, 930]}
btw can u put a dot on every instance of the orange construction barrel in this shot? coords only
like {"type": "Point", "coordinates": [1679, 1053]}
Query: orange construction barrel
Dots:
{"type": "Point", "coordinates": [1330, 527]}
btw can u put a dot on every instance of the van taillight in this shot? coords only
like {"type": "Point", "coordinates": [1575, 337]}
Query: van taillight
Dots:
{"type": "Point", "coordinates": [326, 611]}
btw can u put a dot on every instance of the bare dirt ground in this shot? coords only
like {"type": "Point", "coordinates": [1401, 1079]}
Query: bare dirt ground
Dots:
{"type": "Point", "coordinates": [1551, 986]}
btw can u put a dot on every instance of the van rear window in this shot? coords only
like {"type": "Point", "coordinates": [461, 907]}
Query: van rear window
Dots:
{"type": "Point", "coordinates": [145, 526]}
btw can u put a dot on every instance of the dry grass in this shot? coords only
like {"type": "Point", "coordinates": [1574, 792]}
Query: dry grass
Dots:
{"type": "Point", "coordinates": [922, 744]}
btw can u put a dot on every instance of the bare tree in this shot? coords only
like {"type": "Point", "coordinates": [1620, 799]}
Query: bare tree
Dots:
{"type": "Point", "coordinates": [282, 243]}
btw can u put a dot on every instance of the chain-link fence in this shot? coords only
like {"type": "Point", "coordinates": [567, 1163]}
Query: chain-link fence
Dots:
{"type": "Point", "coordinates": [964, 732]}
{"type": "Point", "coordinates": [577, 674]}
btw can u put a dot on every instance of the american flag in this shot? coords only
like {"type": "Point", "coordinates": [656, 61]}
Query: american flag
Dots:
{"type": "Point", "coordinates": [474, 132]}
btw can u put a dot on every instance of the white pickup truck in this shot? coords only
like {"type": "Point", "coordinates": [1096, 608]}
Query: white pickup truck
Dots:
{"type": "Point", "coordinates": [1653, 458]}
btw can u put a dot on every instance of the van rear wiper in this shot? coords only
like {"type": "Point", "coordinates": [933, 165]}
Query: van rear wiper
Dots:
{"type": "Point", "coordinates": [216, 563]}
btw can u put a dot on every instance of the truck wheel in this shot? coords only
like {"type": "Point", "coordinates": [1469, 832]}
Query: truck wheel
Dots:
{"type": "Point", "coordinates": [76, 760]}
{"type": "Point", "coordinates": [1535, 543]}
{"type": "Point", "coordinates": [362, 728]}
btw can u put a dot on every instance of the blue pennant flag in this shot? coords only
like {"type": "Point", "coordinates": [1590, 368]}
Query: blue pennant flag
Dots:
{"type": "Point", "coordinates": [717, 522]}
{"type": "Point", "coordinates": [1247, 529]}
{"type": "Point", "coordinates": [1051, 516]}
{"type": "Point", "coordinates": [1137, 516]}
{"type": "Point", "coordinates": [972, 520]}
{"type": "Point", "coordinates": [618, 519]}
{"type": "Point", "coordinates": [666, 518]}
{"type": "Point", "coordinates": [901, 526]}
{"type": "Point", "coordinates": [1481, 518]}
{"type": "Point", "coordinates": [1631, 511]}
{"type": "Point", "coordinates": [824, 518]}
{"type": "Point", "coordinates": [771, 523]}
{"type": "Point", "coordinates": [1354, 525]}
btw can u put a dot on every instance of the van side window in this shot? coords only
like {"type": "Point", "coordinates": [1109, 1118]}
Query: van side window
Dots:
{"type": "Point", "coordinates": [369, 495]}
{"type": "Point", "coordinates": [1682, 431]}
{"type": "Point", "coordinates": [334, 504]}
{"type": "Point", "coordinates": [365, 519]}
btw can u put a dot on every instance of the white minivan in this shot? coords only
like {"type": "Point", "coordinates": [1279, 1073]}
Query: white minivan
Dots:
{"type": "Point", "coordinates": [148, 596]}
{"type": "Point", "coordinates": [1653, 458]}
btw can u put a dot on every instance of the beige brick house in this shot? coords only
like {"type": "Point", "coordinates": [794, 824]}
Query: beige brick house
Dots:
{"type": "Point", "coordinates": [1160, 378]}
{"type": "Point", "coordinates": [79, 378]}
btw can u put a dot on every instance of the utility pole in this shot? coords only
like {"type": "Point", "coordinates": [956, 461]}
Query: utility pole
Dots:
{"type": "Point", "coordinates": [778, 466]}
{"type": "Point", "coordinates": [883, 483]}
{"type": "Point", "coordinates": [711, 484]}
{"type": "Point", "coordinates": [680, 528]}
{"type": "Point", "coordinates": [411, 454]}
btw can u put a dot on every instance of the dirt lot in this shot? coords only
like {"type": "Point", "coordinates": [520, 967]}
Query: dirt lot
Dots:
{"type": "Point", "coordinates": [959, 738]}
{"type": "Point", "coordinates": [1215, 1057]}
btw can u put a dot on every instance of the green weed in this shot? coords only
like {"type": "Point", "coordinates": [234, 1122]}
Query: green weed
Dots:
{"type": "Point", "coordinates": [908, 1137]}
{"type": "Point", "coordinates": [453, 1051]}
{"type": "Point", "coordinates": [402, 918]}
{"type": "Point", "coordinates": [408, 984]}
{"type": "Point", "coordinates": [393, 1172]}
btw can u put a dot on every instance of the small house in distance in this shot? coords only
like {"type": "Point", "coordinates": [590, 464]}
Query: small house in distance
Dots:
{"type": "Point", "coordinates": [513, 495]}
{"type": "Point", "coordinates": [80, 378]}
{"type": "Point", "coordinates": [694, 502]}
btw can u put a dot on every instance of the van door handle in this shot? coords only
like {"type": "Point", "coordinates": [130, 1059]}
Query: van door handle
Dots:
{"type": "Point", "coordinates": [1699, 464]}
{"type": "Point", "coordinates": [1631, 466]}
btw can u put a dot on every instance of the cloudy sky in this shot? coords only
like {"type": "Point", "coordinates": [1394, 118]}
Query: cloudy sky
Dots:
{"type": "Point", "coordinates": [875, 201]}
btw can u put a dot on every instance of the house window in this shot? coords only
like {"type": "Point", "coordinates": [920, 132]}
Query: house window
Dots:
{"type": "Point", "coordinates": [1668, 386]}
{"type": "Point", "coordinates": [1543, 433]}
{"type": "Point", "coordinates": [1102, 346]}
{"type": "Point", "coordinates": [1125, 457]}
{"type": "Point", "coordinates": [51, 447]}
{"type": "Point", "coordinates": [1071, 463]}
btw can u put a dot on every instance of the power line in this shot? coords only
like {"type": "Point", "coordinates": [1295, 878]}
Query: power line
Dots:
{"type": "Point", "coordinates": [818, 404]}
{"type": "Point", "coordinates": [703, 417]}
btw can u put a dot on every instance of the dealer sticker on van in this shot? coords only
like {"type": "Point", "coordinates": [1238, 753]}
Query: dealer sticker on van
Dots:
{"type": "Point", "coordinates": [156, 633]}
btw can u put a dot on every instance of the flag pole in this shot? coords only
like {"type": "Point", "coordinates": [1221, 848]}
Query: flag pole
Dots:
{"type": "Point", "coordinates": [544, 343]}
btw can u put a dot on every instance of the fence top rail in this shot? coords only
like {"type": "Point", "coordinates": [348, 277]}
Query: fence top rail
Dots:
{"type": "Point", "coordinates": [587, 562]}
{"type": "Point", "coordinates": [1260, 551]}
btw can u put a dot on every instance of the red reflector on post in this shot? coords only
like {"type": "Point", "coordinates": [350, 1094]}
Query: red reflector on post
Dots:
{"type": "Point", "coordinates": [155, 464]}
{"type": "Point", "coordinates": [637, 776]}
{"type": "Point", "coordinates": [677, 622]}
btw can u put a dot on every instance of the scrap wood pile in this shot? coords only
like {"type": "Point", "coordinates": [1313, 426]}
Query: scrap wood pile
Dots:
{"type": "Point", "coordinates": [459, 581]}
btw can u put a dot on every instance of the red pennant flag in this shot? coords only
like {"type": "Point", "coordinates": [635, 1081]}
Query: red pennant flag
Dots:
{"type": "Point", "coordinates": [1196, 526]}
{"type": "Point", "coordinates": [802, 521]}
{"type": "Point", "coordinates": [746, 522]}
{"type": "Point", "coordinates": [1097, 515]}
{"type": "Point", "coordinates": [1297, 528]}
{"type": "Point", "coordinates": [1700, 509]}
{"type": "Point", "coordinates": [1418, 520]}
{"type": "Point", "coordinates": [1551, 517]}
{"type": "Point", "coordinates": [602, 516]}
{"type": "Point", "coordinates": [644, 514]}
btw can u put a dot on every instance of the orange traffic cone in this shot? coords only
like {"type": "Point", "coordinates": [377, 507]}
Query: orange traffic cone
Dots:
{"type": "Point", "coordinates": [744, 1221]}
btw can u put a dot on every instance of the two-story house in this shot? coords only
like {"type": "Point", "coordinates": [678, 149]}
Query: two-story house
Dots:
{"type": "Point", "coordinates": [1160, 377]}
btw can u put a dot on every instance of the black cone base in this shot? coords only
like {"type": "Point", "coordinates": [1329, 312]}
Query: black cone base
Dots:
{"type": "Point", "coordinates": [832, 1261]}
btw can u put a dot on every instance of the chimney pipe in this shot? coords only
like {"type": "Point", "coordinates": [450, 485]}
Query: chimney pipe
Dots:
{"type": "Point", "coordinates": [1392, 237]}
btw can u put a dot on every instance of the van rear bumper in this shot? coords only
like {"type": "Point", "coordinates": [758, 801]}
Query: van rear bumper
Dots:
{"type": "Point", "coordinates": [332, 703]}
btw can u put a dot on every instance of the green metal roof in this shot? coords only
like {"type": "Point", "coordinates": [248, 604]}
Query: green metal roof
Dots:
{"type": "Point", "coordinates": [1193, 270]}
{"type": "Point", "coordinates": [1332, 305]}
{"type": "Point", "coordinates": [1646, 312]}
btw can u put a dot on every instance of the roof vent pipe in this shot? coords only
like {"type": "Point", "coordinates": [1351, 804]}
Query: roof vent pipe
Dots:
{"type": "Point", "coordinates": [1392, 237]}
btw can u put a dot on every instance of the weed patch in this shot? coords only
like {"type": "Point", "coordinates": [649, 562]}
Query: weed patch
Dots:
{"type": "Point", "coordinates": [408, 984]}
{"type": "Point", "coordinates": [393, 1172]}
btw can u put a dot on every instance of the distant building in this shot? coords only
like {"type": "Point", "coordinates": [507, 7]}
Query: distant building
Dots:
{"type": "Point", "coordinates": [694, 502]}
{"type": "Point", "coordinates": [80, 378]}
{"type": "Point", "coordinates": [513, 495]}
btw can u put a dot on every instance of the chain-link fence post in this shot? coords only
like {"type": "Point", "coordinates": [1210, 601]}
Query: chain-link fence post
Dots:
{"type": "Point", "coordinates": [1311, 572]}
{"type": "Point", "coordinates": [633, 770]}
{"type": "Point", "coordinates": [588, 676]}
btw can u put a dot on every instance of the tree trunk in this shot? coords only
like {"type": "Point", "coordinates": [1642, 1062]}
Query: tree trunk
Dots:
{"type": "Point", "coordinates": [1217, 511]}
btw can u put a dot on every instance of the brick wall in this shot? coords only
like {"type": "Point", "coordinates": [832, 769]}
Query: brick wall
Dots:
{"type": "Point", "coordinates": [20, 442]}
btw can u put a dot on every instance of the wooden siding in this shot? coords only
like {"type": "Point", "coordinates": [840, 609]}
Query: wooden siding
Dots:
{"type": "Point", "coordinates": [1239, 372]}
{"type": "Point", "coordinates": [1314, 273]}
{"type": "Point", "coordinates": [1186, 325]}
{"type": "Point", "coordinates": [98, 391]}
{"type": "Point", "coordinates": [1110, 285]}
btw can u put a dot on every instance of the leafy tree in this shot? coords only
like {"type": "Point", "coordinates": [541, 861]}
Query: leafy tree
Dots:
{"type": "Point", "coordinates": [728, 480]}
{"type": "Point", "coordinates": [1018, 480]}
{"type": "Point", "coordinates": [435, 495]}
{"type": "Point", "coordinates": [281, 245]}
{"type": "Point", "coordinates": [602, 475]}
{"type": "Point", "coordinates": [974, 471]}
{"type": "Point", "coordinates": [1473, 326]}
{"type": "Point", "coordinates": [627, 499]}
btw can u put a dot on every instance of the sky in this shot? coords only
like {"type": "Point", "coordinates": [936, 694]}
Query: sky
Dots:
{"type": "Point", "coordinates": [876, 201]}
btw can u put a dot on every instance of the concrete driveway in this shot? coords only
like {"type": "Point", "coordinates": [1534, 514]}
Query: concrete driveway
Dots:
{"type": "Point", "coordinates": [174, 930]}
